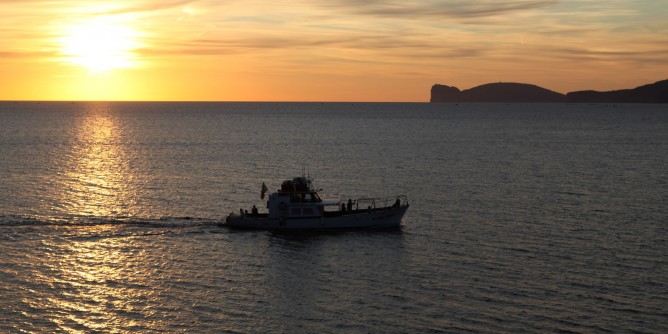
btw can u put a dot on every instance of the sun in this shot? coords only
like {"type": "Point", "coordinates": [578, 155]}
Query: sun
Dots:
{"type": "Point", "coordinates": [100, 45]}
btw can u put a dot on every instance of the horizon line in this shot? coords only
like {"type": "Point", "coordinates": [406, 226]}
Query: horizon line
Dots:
{"type": "Point", "coordinates": [211, 101]}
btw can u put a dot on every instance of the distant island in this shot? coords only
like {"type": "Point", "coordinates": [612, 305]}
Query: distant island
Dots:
{"type": "Point", "coordinates": [508, 92]}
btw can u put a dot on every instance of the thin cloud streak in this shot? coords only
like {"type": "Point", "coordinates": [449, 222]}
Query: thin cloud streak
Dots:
{"type": "Point", "coordinates": [147, 7]}
{"type": "Point", "coordinates": [460, 9]}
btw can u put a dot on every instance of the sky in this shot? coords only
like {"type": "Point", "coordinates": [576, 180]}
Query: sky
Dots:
{"type": "Point", "coordinates": [334, 50]}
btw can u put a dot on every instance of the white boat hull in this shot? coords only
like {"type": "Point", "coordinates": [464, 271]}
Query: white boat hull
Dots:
{"type": "Point", "coordinates": [377, 218]}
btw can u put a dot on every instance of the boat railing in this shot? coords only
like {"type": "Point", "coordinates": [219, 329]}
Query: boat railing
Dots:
{"type": "Point", "coordinates": [380, 202]}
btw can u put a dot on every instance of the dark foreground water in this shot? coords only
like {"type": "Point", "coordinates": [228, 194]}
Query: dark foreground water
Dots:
{"type": "Point", "coordinates": [524, 218]}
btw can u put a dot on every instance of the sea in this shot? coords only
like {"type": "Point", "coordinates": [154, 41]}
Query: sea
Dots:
{"type": "Point", "coordinates": [523, 218]}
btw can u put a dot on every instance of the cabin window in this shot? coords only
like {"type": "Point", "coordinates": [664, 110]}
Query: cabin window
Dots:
{"type": "Point", "coordinates": [296, 211]}
{"type": "Point", "coordinates": [296, 198]}
{"type": "Point", "coordinates": [308, 211]}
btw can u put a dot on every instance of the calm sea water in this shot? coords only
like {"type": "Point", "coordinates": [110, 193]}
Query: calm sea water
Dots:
{"type": "Point", "coordinates": [524, 218]}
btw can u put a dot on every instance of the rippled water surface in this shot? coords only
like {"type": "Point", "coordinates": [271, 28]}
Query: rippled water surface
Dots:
{"type": "Point", "coordinates": [524, 218]}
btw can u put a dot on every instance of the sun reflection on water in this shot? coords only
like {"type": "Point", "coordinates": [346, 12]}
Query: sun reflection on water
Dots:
{"type": "Point", "coordinates": [99, 282]}
{"type": "Point", "coordinates": [96, 274]}
{"type": "Point", "coordinates": [97, 171]}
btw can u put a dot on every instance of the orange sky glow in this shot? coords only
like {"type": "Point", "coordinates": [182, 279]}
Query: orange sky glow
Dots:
{"type": "Point", "coordinates": [335, 50]}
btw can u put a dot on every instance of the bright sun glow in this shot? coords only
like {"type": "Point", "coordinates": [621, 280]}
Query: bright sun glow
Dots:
{"type": "Point", "coordinates": [100, 45]}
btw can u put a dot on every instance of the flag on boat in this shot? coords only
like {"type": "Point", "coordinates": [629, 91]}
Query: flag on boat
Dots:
{"type": "Point", "coordinates": [264, 190]}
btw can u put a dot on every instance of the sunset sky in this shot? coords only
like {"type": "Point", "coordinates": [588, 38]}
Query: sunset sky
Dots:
{"type": "Point", "coordinates": [335, 50]}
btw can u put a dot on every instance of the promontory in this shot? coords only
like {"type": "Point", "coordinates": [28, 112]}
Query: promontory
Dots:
{"type": "Point", "coordinates": [507, 92]}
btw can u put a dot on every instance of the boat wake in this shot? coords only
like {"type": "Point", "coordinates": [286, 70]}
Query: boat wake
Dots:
{"type": "Point", "coordinates": [77, 220]}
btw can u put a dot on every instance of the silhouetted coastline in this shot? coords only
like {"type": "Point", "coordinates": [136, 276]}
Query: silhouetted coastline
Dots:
{"type": "Point", "coordinates": [507, 92]}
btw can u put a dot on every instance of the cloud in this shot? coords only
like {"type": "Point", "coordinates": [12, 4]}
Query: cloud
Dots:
{"type": "Point", "coordinates": [28, 54]}
{"type": "Point", "coordinates": [144, 6]}
{"type": "Point", "coordinates": [433, 9]}
{"type": "Point", "coordinates": [418, 32]}
{"type": "Point", "coordinates": [581, 55]}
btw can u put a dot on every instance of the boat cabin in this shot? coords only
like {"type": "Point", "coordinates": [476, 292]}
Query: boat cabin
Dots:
{"type": "Point", "coordinates": [296, 198]}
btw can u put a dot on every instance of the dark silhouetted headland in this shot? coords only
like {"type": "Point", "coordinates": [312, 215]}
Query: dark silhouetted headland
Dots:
{"type": "Point", "coordinates": [652, 93]}
{"type": "Point", "coordinates": [520, 93]}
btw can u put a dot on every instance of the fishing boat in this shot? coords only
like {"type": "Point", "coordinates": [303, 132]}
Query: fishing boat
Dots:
{"type": "Point", "coordinates": [298, 206]}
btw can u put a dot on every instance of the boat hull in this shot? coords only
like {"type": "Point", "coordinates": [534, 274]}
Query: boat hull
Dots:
{"type": "Point", "coordinates": [380, 218]}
